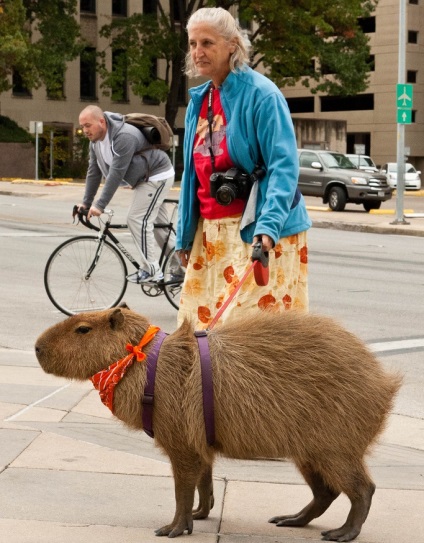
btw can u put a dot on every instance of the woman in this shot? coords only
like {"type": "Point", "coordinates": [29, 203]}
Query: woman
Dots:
{"type": "Point", "coordinates": [251, 129]}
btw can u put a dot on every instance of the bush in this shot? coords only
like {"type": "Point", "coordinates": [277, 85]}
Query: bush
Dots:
{"type": "Point", "coordinates": [11, 132]}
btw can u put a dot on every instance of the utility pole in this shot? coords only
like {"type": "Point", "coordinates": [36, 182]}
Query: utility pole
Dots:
{"type": "Point", "coordinates": [400, 186]}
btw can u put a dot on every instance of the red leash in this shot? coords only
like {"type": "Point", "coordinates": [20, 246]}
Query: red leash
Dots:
{"type": "Point", "coordinates": [259, 265]}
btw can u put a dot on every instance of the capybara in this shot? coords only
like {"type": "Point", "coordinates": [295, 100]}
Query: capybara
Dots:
{"type": "Point", "coordinates": [287, 385]}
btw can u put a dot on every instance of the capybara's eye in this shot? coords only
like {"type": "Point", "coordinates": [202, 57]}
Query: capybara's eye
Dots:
{"type": "Point", "coordinates": [83, 329]}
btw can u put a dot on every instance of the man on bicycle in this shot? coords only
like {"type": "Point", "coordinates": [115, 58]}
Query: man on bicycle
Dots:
{"type": "Point", "coordinates": [114, 148]}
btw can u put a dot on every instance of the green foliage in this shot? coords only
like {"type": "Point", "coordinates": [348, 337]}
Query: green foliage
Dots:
{"type": "Point", "coordinates": [37, 39]}
{"type": "Point", "coordinates": [12, 132]}
{"type": "Point", "coordinates": [317, 42]}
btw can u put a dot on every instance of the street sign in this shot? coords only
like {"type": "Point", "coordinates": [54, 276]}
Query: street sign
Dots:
{"type": "Point", "coordinates": [404, 100]}
{"type": "Point", "coordinates": [404, 116]}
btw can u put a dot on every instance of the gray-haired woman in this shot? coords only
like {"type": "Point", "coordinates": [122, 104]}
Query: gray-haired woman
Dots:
{"type": "Point", "coordinates": [237, 122]}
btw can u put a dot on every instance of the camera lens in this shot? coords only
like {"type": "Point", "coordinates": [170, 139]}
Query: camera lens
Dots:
{"type": "Point", "coordinates": [226, 194]}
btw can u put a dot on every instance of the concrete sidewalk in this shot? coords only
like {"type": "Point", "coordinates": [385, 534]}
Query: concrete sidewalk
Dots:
{"type": "Point", "coordinates": [69, 472]}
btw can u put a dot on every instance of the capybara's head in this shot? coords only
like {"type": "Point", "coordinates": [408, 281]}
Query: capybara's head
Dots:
{"type": "Point", "coordinates": [84, 344]}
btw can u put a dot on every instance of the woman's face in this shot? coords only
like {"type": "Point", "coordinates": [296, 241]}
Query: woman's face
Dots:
{"type": "Point", "coordinates": [210, 52]}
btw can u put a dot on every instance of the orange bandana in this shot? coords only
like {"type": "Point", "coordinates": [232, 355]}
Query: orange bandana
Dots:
{"type": "Point", "coordinates": [105, 381]}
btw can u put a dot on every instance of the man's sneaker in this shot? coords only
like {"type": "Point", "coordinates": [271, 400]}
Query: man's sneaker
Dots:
{"type": "Point", "coordinates": [143, 276]}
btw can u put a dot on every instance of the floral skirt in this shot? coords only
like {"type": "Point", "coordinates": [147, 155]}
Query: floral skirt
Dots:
{"type": "Point", "coordinates": [218, 261]}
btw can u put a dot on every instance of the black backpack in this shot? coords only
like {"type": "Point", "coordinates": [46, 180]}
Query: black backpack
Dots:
{"type": "Point", "coordinates": [155, 129]}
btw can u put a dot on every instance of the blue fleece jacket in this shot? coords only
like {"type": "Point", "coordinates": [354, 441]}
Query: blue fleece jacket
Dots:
{"type": "Point", "coordinates": [259, 130]}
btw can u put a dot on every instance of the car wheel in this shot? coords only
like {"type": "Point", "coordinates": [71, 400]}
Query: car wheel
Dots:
{"type": "Point", "coordinates": [371, 205]}
{"type": "Point", "coordinates": [337, 199]}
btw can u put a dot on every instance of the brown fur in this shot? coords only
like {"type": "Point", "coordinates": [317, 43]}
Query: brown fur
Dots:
{"type": "Point", "coordinates": [286, 385]}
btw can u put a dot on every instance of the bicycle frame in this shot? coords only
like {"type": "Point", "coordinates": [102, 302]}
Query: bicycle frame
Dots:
{"type": "Point", "coordinates": [106, 233]}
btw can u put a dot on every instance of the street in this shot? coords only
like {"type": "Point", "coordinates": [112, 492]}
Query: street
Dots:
{"type": "Point", "coordinates": [371, 283]}
{"type": "Point", "coordinates": [61, 448]}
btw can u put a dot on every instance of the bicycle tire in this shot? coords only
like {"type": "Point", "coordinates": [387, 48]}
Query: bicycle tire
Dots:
{"type": "Point", "coordinates": [173, 277]}
{"type": "Point", "coordinates": [65, 282]}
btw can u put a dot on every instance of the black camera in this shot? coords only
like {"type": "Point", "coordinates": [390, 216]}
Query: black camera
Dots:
{"type": "Point", "coordinates": [226, 187]}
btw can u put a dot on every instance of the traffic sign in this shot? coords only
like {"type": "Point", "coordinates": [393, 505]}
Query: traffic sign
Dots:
{"type": "Point", "coordinates": [404, 116]}
{"type": "Point", "coordinates": [404, 94]}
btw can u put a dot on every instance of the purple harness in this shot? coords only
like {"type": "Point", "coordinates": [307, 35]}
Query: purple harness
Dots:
{"type": "Point", "coordinates": [207, 384]}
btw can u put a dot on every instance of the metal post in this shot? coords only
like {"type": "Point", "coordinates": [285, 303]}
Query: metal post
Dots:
{"type": "Point", "coordinates": [51, 153]}
{"type": "Point", "coordinates": [36, 150]}
{"type": "Point", "coordinates": [400, 153]}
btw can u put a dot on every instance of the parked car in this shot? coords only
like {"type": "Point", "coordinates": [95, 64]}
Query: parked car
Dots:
{"type": "Point", "coordinates": [363, 162]}
{"type": "Point", "coordinates": [334, 178]}
{"type": "Point", "coordinates": [412, 176]}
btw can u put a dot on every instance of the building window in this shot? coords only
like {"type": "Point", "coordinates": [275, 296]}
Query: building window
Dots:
{"type": "Point", "coordinates": [371, 63]}
{"type": "Point", "coordinates": [120, 69]}
{"type": "Point", "coordinates": [301, 105]}
{"type": "Point", "coordinates": [18, 86]}
{"type": "Point", "coordinates": [89, 6]}
{"type": "Point", "coordinates": [412, 36]}
{"type": "Point", "coordinates": [347, 103]}
{"type": "Point", "coordinates": [151, 6]}
{"type": "Point", "coordinates": [414, 2]}
{"type": "Point", "coordinates": [176, 11]}
{"type": "Point", "coordinates": [88, 74]}
{"type": "Point", "coordinates": [56, 91]}
{"type": "Point", "coordinates": [119, 7]}
{"type": "Point", "coordinates": [182, 92]}
{"type": "Point", "coordinates": [147, 98]}
{"type": "Point", "coordinates": [367, 24]}
{"type": "Point", "coordinates": [411, 76]}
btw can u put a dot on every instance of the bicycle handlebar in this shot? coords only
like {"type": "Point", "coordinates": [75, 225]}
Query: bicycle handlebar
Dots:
{"type": "Point", "coordinates": [82, 218]}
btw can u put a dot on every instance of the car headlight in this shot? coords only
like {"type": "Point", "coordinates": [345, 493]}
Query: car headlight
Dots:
{"type": "Point", "coordinates": [359, 180]}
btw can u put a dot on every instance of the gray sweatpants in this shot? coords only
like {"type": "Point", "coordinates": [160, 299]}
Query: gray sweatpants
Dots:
{"type": "Point", "coordinates": [146, 208]}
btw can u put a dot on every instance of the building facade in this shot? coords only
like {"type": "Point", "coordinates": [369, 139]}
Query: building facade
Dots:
{"type": "Point", "coordinates": [369, 118]}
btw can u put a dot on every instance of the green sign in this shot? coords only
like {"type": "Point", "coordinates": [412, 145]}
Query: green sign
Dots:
{"type": "Point", "coordinates": [404, 95]}
{"type": "Point", "coordinates": [404, 116]}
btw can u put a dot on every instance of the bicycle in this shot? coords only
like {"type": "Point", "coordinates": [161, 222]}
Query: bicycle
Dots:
{"type": "Point", "coordinates": [89, 273]}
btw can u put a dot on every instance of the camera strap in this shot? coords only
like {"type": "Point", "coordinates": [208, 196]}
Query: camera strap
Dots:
{"type": "Point", "coordinates": [210, 125]}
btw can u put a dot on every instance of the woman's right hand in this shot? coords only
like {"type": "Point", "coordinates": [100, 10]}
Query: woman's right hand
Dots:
{"type": "Point", "coordinates": [184, 256]}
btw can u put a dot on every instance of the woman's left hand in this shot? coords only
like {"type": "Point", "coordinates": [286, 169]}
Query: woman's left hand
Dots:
{"type": "Point", "coordinates": [267, 242]}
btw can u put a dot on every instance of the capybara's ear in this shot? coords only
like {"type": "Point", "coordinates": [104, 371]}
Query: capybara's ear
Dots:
{"type": "Point", "coordinates": [116, 319]}
{"type": "Point", "coordinates": [124, 305]}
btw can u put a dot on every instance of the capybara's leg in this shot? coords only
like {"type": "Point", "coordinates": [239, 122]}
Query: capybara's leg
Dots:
{"type": "Point", "coordinates": [323, 497]}
{"type": "Point", "coordinates": [187, 470]}
{"type": "Point", "coordinates": [360, 494]}
{"type": "Point", "coordinates": [206, 497]}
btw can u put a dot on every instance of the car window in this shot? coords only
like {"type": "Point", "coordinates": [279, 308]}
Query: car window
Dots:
{"type": "Point", "coordinates": [306, 159]}
{"type": "Point", "coordinates": [337, 160]}
{"type": "Point", "coordinates": [409, 168]}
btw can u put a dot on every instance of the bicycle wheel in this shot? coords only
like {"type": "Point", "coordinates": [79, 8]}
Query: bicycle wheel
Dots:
{"type": "Point", "coordinates": [69, 287]}
{"type": "Point", "coordinates": [173, 279]}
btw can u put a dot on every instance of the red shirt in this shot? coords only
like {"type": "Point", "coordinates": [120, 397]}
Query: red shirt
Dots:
{"type": "Point", "coordinates": [209, 207]}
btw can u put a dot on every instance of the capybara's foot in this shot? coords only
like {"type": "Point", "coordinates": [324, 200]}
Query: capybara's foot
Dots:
{"type": "Point", "coordinates": [175, 529]}
{"type": "Point", "coordinates": [203, 509]}
{"type": "Point", "coordinates": [290, 520]}
{"type": "Point", "coordinates": [341, 534]}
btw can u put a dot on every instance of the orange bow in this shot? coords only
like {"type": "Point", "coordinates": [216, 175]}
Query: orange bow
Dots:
{"type": "Point", "coordinates": [105, 381]}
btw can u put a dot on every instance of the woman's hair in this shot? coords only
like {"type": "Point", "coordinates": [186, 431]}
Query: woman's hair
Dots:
{"type": "Point", "coordinates": [227, 27]}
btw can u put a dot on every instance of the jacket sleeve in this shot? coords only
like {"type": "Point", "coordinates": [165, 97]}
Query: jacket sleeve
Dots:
{"type": "Point", "coordinates": [93, 179]}
{"type": "Point", "coordinates": [124, 146]}
{"type": "Point", "coordinates": [278, 148]}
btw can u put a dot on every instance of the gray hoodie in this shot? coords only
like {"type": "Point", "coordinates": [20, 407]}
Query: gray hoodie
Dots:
{"type": "Point", "coordinates": [125, 141]}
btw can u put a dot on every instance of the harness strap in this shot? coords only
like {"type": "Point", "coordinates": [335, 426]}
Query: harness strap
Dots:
{"type": "Point", "coordinates": [207, 385]}
{"type": "Point", "coordinates": [147, 401]}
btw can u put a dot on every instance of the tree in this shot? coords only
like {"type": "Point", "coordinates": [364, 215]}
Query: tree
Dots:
{"type": "Point", "coordinates": [317, 42]}
{"type": "Point", "coordinates": [37, 39]}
